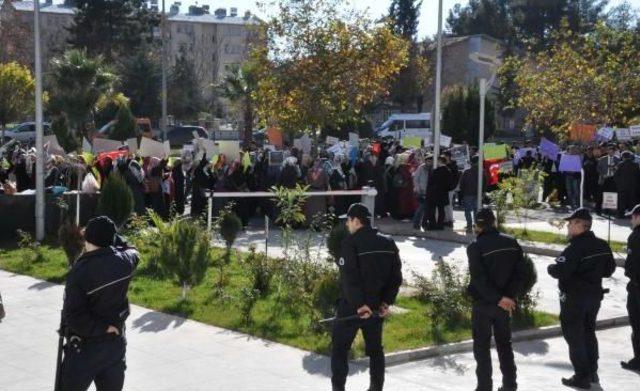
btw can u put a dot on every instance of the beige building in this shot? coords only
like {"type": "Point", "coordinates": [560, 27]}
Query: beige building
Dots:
{"type": "Point", "coordinates": [16, 20]}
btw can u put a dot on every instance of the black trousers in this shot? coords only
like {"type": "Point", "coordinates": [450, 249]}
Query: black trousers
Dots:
{"type": "Point", "coordinates": [430, 221]}
{"type": "Point", "coordinates": [633, 307]}
{"type": "Point", "coordinates": [342, 338]}
{"type": "Point", "coordinates": [578, 315]}
{"type": "Point", "coordinates": [100, 362]}
{"type": "Point", "coordinates": [488, 320]}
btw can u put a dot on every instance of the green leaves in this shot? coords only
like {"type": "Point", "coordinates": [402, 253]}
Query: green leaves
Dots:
{"type": "Point", "coordinates": [17, 88]}
{"type": "Point", "coordinates": [116, 199]}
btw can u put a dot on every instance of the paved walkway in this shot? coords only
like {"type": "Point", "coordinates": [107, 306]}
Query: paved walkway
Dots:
{"type": "Point", "coordinates": [170, 353]}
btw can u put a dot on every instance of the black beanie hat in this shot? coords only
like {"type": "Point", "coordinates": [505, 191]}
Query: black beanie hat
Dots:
{"type": "Point", "coordinates": [100, 231]}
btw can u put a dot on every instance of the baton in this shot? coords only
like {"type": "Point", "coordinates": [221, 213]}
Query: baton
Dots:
{"type": "Point", "coordinates": [336, 319]}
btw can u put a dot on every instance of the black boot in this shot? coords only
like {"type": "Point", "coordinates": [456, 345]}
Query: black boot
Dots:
{"type": "Point", "coordinates": [595, 379]}
{"type": "Point", "coordinates": [577, 382]}
{"type": "Point", "coordinates": [631, 365]}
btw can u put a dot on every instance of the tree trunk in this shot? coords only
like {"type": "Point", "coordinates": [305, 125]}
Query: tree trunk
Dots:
{"type": "Point", "coordinates": [185, 287]}
{"type": "Point", "coordinates": [248, 124]}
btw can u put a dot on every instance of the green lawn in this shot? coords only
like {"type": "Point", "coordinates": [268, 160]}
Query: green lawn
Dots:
{"type": "Point", "coordinates": [402, 331]}
{"type": "Point", "coordinates": [553, 238]}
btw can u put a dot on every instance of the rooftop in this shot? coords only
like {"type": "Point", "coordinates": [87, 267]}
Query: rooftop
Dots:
{"type": "Point", "coordinates": [28, 6]}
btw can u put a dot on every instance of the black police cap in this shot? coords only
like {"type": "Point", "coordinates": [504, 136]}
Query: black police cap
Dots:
{"type": "Point", "coordinates": [635, 211]}
{"type": "Point", "coordinates": [358, 210]}
{"type": "Point", "coordinates": [485, 216]}
{"type": "Point", "coordinates": [100, 231]}
{"type": "Point", "coordinates": [580, 213]}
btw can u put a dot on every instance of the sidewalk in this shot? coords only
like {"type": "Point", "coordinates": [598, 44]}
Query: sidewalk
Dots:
{"type": "Point", "coordinates": [164, 352]}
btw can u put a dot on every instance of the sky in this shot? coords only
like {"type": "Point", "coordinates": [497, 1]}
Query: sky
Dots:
{"type": "Point", "coordinates": [428, 14]}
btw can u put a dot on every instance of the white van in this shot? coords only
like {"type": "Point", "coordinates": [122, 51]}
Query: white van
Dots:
{"type": "Point", "coordinates": [399, 126]}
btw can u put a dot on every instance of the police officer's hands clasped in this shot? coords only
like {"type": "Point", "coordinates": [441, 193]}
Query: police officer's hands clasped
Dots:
{"type": "Point", "coordinates": [365, 312]}
{"type": "Point", "coordinates": [113, 330]}
{"type": "Point", "coordinates": [507, 304]}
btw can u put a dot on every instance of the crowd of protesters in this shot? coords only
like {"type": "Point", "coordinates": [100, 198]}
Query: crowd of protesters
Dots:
{"type": "Point", "coordinates": [409, 183]}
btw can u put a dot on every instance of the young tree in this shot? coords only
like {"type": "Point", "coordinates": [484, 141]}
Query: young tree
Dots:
{"type": "Point", "coordinates": [112, 28]}
{"type": "Point", "coordinates": [238, 87]}
{"type": "Point", "coordinates": [17, 89]}
{"type": "Point", "coordinates": [140, 81]}
{"type": "Point", "coordinates": [125, 126]}
{"type": "Point", "coordinates": [590, 78]}
{"type": "Point", "coordinates": [79, 85]}
{"type": "Point", "coordinates": [461, 114]}
{"type": "Point", "coordinates": [116, 199]}
{"type": "Point", "coordinates": [409, 86]}
{"type": "Point", "coordinates": [321, 65]}
{"type": "Point", "coordinates": [184, 96]}
{"type": "Point", "coordinates": [490, 17]}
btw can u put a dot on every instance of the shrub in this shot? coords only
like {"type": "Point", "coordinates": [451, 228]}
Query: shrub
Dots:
{"type": "Point", "coordinates": [261, 271]}
{"type": "Point", "coordinates": [334, 240]}
{"type": "Point", "coordinates": [326, 292]}
{"type": "Point", "coordinates": [60, 127]}
{"type": "Point", "coordinates": [183, 251]}
{"type": "Point", "coordinates": [527, 300]}
{"type": "Point", "coordinates": [247, 300]}
{"type": "Point", "coordinates": [228, 226]}
{"type": "Point", "coordinates": [125, 126]}
{"type": "Point", "coordinates": [116, 199]}
{"type": "Point", "coordinates": [445, 291]}
{"type": "Point", "coordinates": [26, 242]}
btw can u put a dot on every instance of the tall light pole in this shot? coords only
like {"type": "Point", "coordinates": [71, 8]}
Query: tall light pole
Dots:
{"type": "Point", "coordinates": [436, 114]}
{"type": "Point", "coordinates": [39, 133]}
{"type": "Point", "coordinates": [163, 23]}
{"type": "Point", "coordinates": [493, 63]}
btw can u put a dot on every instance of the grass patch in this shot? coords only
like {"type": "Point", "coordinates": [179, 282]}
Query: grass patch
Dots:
{"type": "Point", "coordinates": [402, 331]}
{"type": "Point", "coordinates": [553, 238]}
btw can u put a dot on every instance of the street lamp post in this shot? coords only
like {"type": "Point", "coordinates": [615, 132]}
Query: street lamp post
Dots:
{"type": "Point", "coordinates": [493, 63]}
{"type": "Point", "coordinates": [163, 121]}
{"type": "Point", "coordinates": [40, 233]}
{"type": "Point", "coordinates": [436, 113]}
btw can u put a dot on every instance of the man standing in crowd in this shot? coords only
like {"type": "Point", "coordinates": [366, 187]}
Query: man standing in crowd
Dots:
{"type": "Point", "coordinates": [469, 192]}
{"type": "Point", "coordinates": [497, 271]}
{"type": "Point", "coordinates": [370, 278]}
{"type": "Point", "coordinates": [438, 195]}
{"type": "Point", "coordinates": [420, 183]}
{"type": "Point", "coordinates": [632, 270]}
{"type": "Point", "coordinates": [627, 180]}
{"type": "Point", "coordinates": [95, 309]}
{"type": "Point", "coordinates": [607, 166]}
{"type": "Point", "coordinates": [454, 179]}
{"type": "Point", "coordinates": [580, 270]}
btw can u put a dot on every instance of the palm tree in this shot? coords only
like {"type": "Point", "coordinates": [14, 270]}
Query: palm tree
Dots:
{"type": "Point", "coordinates": [80, 85]}
{"type": "Point", "coordinates": [238, 87]}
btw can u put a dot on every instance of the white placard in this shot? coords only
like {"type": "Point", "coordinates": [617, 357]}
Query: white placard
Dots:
{"type": "Point", "coordinates": [610, 200]}
{"type": "Point", "coordinates": [153, 148]}
{"type": "Point", "coordinates": [606, 133]}
{"type": "Point", "coordinates": [209, 146]}
{"type": "Point", "coordinates": [132, 143]}
{"type": "Point", "coordinates": [634, 131]}
{"type": "Point", "coordinates": [54, 146]}
{"type": "Point", "coordinates": [229, 148]}
{"type": "Point", "coordinates": [445, 141]}
{"type": "Point", "coordinates": [104, 145]}
{"type": "Point", "coordinates": [167, 148]}
{"type": "Point", "coordinates": [86, 146]}
{"type": "Point", "coordinates": [332, 140]}
{"type": "Point", "coordinates": [623, 134]}
{"type": "Point", "coordinates": [354, 139]}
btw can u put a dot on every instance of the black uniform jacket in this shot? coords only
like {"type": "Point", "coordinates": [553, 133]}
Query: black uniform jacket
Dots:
{"type": "Point", "coordinates": [95, 295]}
{"type": "Point", "coordinates": [632, 265]}
{"type": "Point", "coordinates": [496, 266]}
{"type": "Point", "coordinates": [582, 266]}
{"type": "Point", "coordinates": [370, 269]}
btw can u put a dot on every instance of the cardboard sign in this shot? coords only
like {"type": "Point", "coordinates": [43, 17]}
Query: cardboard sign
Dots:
{"type": "Point", "coordinates": [548, 149]}
{"type": "Point", "coordinates": [412, 142]}
{"type": "Point", "coordinates": [152, 148]}
{"type": "Point", "coordinates": [276, 158]}
{"type": "Point", "coordinates": [132, 143]}
{"type": "Point", "coordinates": [54, 146]}
{"type": "Point", "coordinates": [208, 146]}
{"type": "Point", "coordinates": [354, 139]}
{"type": "Point", "coordinates": [332, 140]}
{"type": "Point", "coordinates": [445, 141]}
{"type": "Point", "coordinates": [605, 133]}
{"type": "Point", "coordinates": [494, 151]}
{"type": "Point", "coordinates": [337, 149]}
{"type": "Point", "coordinates": [104, 145]}
{"type": "Point", "coordinates": [522, 152]}
{"type": "Point", "coordinates": [86, 146]}
{"type": "Point", "coordinates": [623, 134]}
{"type": "Point", "coordinates": [610, 200]}
{"type": "Point", "coordinates": [506, 167]}
{"type": "Point", "coordinates": [570, 163]}
{"type": "Point", "coordinates": [634, 131]}
{"type": "Point", "coordinates": [460, 155]}
{"type": "Point", "coordinates": [303, 144]}
{"type": "Point", "coordinates": [229, 148]}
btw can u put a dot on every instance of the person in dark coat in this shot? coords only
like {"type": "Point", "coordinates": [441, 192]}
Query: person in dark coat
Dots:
{"type": "Point", "coordinates": [438, 187]}
{"type": "Point", "coordinates": [200, 184]}
{"type": "Point", "coordinates": [177, 207]}
{"type": "Point", "coordinates": [590, 167]}
{"type": "Point", "coordinates": [627, 178]}
{"type": "Point", "coordinates": [632, 271]}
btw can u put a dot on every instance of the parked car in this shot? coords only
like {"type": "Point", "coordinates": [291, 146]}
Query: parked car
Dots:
{"type": "Point", "coordinates": [25, 132]}
{"type": "Point", "coordinates": [181, 135]}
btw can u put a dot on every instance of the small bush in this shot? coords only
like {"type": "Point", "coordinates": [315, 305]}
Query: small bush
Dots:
{"type": "Point", "coordinates": [261, 271]}
{"type": "Point", "coordinates": [246, 302]}
{"type": "Point", "coordinates": [26, 242]}
{"type": "Point", "coordinates": [183, 251]}
{"type": "Point", "coordinates": [326, 292]}
{"type": "Point", "coordinates": [116, 199]}
{"type": "Point", "coordinates": [334, 240]}
{"type": "Point", "coordinates": [527, 300]}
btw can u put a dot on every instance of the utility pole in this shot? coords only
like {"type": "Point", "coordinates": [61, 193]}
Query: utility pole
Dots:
{"type": "Point", "coordinates": [40, 233]}
{"type": "Point", "coordinates": [436, 113]}
{"type": "Point", "coordinates": [163, 23]}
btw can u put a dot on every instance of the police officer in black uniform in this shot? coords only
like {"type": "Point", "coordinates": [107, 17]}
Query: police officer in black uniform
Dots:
{"type": "Point", "coordinates": [632, 270]}
{"type": "Point", "coordinates": [370, 278]}
{"type": "Point", "coordinates": [580, 270]}
{"type": "Point", "coordinates": [496, 265]}
{"type": "Point", "coordinates": [95, 309]}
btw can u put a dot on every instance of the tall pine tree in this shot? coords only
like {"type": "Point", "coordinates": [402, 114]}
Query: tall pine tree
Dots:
{"type": "Point", "coordinates": [408, 88]}
{"type": "Point", "coordinates": [184, 95]}
{"type": "Point", "coordinates": [111, 28]}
